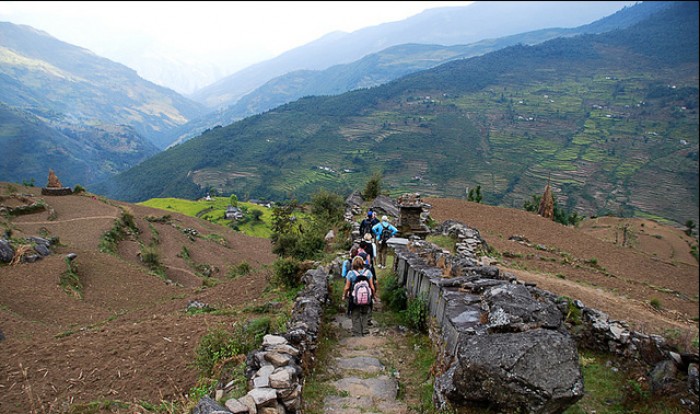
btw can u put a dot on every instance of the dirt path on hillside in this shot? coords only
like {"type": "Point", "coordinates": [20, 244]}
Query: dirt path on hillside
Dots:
{"type": "Point", "coordinates": [586, 263]}
{"type": "Point", "coordinates": [640, 315]}
{"type": "Point", "coordinates": [66, 220]}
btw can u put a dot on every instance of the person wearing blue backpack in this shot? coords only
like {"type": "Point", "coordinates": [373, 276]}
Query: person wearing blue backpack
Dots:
{"type": "Point", "coordinates": [383, 232]}
{"type": "Point", "coordinates": [359, 290]}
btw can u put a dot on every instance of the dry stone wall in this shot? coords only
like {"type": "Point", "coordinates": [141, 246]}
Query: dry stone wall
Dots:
{"type": "Point", "coordinates": [506, 343]}
{"type": "Point", "coordinates": [275, 372]}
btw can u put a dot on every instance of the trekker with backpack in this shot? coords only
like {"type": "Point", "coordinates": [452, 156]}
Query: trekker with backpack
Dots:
{"type": "Point", "coordinates": [359, 290]}
{"type": "Point", "coordinates": [371, 248]}
{"type": "Point", "coordinates": [366, 224]}
{"type": "Point", "coordinates": [383, 232]}
{"type": "Point", "coordinates": [347, 263]}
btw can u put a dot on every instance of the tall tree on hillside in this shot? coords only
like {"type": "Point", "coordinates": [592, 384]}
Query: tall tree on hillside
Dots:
{"type": "Point", "coordinates": [373, 187]}
{"type": "Point", "coordinates": [546, 208]}
{"type": "Point", "coordinates": [474, 194]}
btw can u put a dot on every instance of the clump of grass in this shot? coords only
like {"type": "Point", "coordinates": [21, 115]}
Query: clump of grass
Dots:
{"type": "Point", "coordinates": [417, 313]}
{"type": "Point", "coordinates": [151, 258]}
{"type": "Point", "coordinates": [70, 281]}
{"type": "Point", "coordinates": [123, 226]}
{"type": "Point", "coordinates": [155, 235]}
{"type": "Point", "coordinates": [241, 269]}
{"type": "Point", "coordinates": [444, 242]}
{"type": "Point", "coordinates": [287, 272]}
{"type": "Point", "coordinates": [166, 219]}
{"type": "Point", "coordinates": [392, 294]}
{"type": "Point", "coordinates": [218, 347]}
{"type": "Point", "coordinates": [573, 313]}
{"type": "Point", "coordinates": [655, 303]}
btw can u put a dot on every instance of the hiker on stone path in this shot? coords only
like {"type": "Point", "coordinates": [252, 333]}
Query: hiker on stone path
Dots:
{"type": "Point", "coordinates": [347, 264]}
{"type": "Point", "coordinates": [375, 220]}
{"type": "Point", "coordinates": [368, 245]}
{"type": "Point", "coordinates": [359, 290]}
{"type": "Point", "coordinates": [366, 224]}
{"type": "Point", "coordinates": [383, 232]}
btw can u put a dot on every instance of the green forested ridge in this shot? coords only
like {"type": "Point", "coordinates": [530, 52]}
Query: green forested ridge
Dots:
{"type": "Point", "coordinates": [389, 64]}
{"type": "Point", "coordinates": [610, 119]}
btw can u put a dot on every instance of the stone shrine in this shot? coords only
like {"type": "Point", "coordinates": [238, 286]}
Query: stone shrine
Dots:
{"type": "Point", "coordinates": [411, 221]}
{"type": "Point", "coordinates": [54, 187]}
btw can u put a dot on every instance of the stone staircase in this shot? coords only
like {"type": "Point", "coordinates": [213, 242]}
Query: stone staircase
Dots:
{"type": "Point", "coordinates": [358, 374]}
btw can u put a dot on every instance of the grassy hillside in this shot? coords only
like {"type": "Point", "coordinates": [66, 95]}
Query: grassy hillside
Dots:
{"type": "Point", "coordinates": [611, 120]}
{"type": "Point", "coordinates": [214, 210]}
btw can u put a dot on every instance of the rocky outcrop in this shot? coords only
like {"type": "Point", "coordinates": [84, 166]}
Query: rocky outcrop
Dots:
{"type": "Point", "coordinates": [490, 327]}
{"type": "Point", "coordinates": [503, 343]}
{"type": "Point", "coordinates": [536, 371]}
{"type": "Point", "coordinates": [384, 205]}
{"type": "Point", "coordinates": [7, 252]}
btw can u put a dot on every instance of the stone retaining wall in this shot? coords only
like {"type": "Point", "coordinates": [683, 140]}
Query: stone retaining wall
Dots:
{"type": "Point", "coordinates": [275, 372]}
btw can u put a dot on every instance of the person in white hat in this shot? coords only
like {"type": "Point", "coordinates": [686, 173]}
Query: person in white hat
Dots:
{"type": "Point", "coordinates": [383, 231]}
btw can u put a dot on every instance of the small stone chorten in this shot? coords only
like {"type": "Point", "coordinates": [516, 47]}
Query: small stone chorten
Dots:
{"type": "Point", "coordinates": [411, 216]}
{"type": "Point", "coordinates": [54, 187]}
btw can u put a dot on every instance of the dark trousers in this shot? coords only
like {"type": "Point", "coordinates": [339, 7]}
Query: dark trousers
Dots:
{"type": "Point", "coordinates": [360, 317]}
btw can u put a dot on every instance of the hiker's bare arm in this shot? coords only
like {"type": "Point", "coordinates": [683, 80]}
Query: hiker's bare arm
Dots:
{"type": "Point", "coordinates": [346, 289]}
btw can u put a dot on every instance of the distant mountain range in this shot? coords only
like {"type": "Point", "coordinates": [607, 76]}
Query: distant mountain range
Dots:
{"type": "Point", "coordinates": [389, 64]}
{"type": "Point", "coordinates": [79, 154]}
{"type": "Point", "coordinates": [67, 88]}
{"type": "Point", "coordinates": [439, 26]}
{"type": "Point", "coordinates": [611, 120]}
{"type": "Point", "coordinates": [60, 92]}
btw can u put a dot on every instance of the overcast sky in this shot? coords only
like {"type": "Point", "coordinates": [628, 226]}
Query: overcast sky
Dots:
{"type": "Point", "coordinates": [244, 32]}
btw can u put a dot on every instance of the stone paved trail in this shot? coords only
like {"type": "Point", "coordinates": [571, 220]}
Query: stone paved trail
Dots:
{"type": "Point", "coordinates": [357, 371]}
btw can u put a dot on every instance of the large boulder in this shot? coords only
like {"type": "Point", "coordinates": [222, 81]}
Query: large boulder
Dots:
{"type": "Point", "coordinates": [384, 205]}
{"type": "Point", "coordinates": [530, 372]}
{"type": "Point", "coordinates": [354, 200]}
{"type": "Point", "coordinates": [6, 251]}
{"type": "Point", "coordinates": [513, 308]}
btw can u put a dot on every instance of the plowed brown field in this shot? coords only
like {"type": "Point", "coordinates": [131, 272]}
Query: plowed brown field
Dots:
{"type": "Point", "coordinates": [129, 337]}
{"type": "Point", "coordinates": [590, 263]}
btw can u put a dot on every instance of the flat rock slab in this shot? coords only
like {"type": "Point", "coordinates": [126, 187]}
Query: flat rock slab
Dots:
{"type": "Point", "coordinates": [381, 388]}
{"type": "Point", "coordinates": [361, 405]}
{"type": "Point", "coordinates": [366, 364]}
{"type": "Point", "coordinates": [358, 343]}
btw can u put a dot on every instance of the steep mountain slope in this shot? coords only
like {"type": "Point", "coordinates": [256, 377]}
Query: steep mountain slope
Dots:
{"type": "Point", "coordinates": [79, 154]}
{"type": "Point", "coordinates": [445, 26]}
{"type": "Point", "coordinates": [65, 84]}
{"type": "Point", "coordinates": [610, 119]}
{"type": "Point", "coordinates": [387, 65]}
